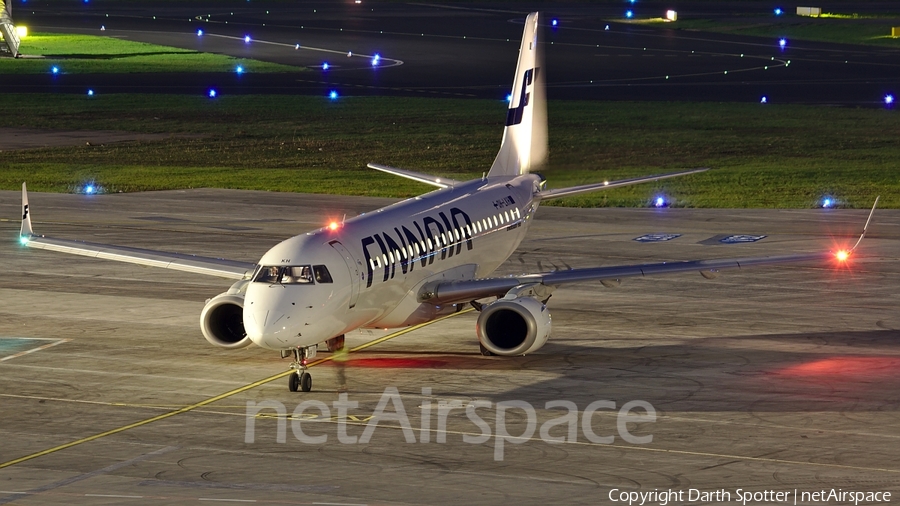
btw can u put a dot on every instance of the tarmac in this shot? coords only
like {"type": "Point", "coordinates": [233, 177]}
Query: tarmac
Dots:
{"type": "Point", "coordinates": [777, 379]}
{"type": "Point", "coordinates": [469, 50]}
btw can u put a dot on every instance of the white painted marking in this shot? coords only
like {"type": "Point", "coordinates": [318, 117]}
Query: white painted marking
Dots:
{"type": "Point", "coordinates": [226, 500]}
{"type": "Point", "coordinates": [116, 496]}
{"type": "Point", "coordinates": [339, 504]}
{"type": "Point", "coordinates": [32, 350]}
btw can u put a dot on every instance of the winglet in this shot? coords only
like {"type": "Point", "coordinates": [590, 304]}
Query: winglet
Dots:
{"type": "Point", "coordinates": [26, 232]}
{"type": "Point", "coordinates": [866, 227]}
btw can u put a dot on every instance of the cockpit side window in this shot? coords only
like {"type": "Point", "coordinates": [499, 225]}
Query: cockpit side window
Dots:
{"type": "Point", "coordinates": [322, 274]}
{"type": "Point", "coordinates": [268, 274]}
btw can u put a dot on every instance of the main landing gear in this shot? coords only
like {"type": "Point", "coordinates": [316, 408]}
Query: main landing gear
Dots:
{"type": "Point", "coordinates": [300, 379]}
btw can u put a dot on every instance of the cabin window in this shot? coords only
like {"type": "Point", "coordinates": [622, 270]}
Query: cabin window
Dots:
{"type": "Point", "coordinates": [495, 221]}
{"type": "Point", "coordinates": [385, 259]}
{"type": "Point", "coordinates": [321, 274]}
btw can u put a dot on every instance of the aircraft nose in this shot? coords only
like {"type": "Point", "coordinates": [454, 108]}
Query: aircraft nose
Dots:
{"type": "Point", "coordinates": [267, 328]}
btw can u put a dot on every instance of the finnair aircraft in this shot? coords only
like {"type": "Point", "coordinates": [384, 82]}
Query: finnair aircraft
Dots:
{"type": "Point", "coordinates": [410, 262]}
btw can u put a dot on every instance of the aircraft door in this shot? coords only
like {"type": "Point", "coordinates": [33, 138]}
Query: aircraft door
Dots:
{"type": "Point", "coordinates": [355, 268]}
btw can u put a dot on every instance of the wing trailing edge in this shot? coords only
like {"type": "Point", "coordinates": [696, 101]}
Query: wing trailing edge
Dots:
{"type": "Point", "coordinates": [440, 182]}
{"type": "Point", "coordinates": [606, 185]}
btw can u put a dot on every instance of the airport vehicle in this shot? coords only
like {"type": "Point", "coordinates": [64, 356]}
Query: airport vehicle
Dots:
{"type": "Point", "coordinates": [410, 262]}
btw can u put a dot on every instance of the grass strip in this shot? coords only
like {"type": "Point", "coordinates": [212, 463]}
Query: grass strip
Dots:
{"type": "Point", "coordinates": [83, 54]}
{"type": "Point", "coordinates": [762, 156]}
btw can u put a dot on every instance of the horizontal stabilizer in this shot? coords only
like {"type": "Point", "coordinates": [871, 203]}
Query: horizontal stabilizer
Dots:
{"type": "Point", "coordinates": [440, 182]}
{"type": "Point", "coordinates": [606, 185]}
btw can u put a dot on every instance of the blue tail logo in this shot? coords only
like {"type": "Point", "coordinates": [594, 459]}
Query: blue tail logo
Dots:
{"type": "Point", "coordinates": [514, 115]}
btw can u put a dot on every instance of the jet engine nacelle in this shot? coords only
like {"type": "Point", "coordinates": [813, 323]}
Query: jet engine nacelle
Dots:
{"type": "Point", "coordinates": [222, 321]}
{"type": "Point", "coordinates": [511, 327]}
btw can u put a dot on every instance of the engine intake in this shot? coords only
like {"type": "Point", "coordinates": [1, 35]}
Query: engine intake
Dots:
{"type": "Point", "coordinates": [511, 327]}
{"type": "Point", "coordinates": [222, 321]}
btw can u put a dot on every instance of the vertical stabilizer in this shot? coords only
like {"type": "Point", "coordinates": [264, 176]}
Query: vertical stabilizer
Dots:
{"type": "Point", "coordinates": [26, 230]}
{"type": "Point", "coordinates": [8, 29]}
{"type": "Point", "coordinates": [524, 145]}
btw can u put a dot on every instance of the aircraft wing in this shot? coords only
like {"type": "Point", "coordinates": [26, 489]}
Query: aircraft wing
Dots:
{"type": "Point", "coordinates": [447, 292]}
{"type": "Point", "coordinates": [219, 267]}
{"type": "Point", "coordinates": [606, 185]}
{"type": "Point", "coordinates": [463, 291]}
{"type": "Point", "coordinates": [440, 182]}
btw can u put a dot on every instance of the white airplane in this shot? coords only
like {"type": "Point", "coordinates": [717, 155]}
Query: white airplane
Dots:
{"type": "Point", "coordinates": [410, 262]}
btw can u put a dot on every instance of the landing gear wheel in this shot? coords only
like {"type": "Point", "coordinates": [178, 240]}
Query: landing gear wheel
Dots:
{"type": "Point", "coordinates": [484, 351]}
{"type": "Point", "coordinates": [305, 382]}
{"type": "Point", "coordinates": [293, 382]}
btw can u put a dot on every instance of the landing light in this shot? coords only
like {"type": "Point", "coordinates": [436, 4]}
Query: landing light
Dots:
{"type": "Point", "coordinates": [23, 240]}
{"type": "Point", "coordinates": [22, 31]}
{"type": "Point", "coordinates": [333, 225]}
{"type": "Point", "coordinates": [842, 255]}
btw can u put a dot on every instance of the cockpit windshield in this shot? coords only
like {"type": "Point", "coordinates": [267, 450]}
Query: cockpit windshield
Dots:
{"type": "Point", "coordinates": [286, 275]}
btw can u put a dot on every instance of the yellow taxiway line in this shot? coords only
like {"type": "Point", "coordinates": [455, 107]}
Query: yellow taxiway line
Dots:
{"type": "Point", "coordinates": [219, 397]}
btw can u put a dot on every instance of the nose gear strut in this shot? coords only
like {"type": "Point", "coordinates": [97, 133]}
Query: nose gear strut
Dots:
{"type": "Point", "coordinates": [300, 379]}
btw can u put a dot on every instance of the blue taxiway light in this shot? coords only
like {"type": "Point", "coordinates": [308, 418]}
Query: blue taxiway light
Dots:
{"type": "Point", "coordinates": [376, 60]}
{"type": "Point", "coordinates": [23, 240]}
{"type": "Point", "coordinates": [778, 11]}
{"type": "Point", "coordinates": [827, 203]}
{"type": "Point", "coordinates": [333, 95]}
{"type": "Point", "coordinates": [90, 93]}
{"type": "Point", "coordinates": [89, 189]}
{"type": "Point", "coordinates": [782, 43]}
{"type": "Point", "coordinates": [554, 22]}
{"type": "Point", "coordinates": [239, 69]}
{"type": "Point", "coordinates": [629, 14]}
{"type": "Point", "coordinates": [199, 33]}
{"type": "Point", "coordinates": [212, 93]}
{"type": "Point", "coordinates": [509, 97]}
{"type": "Point", "coordinates": [325, 66]}
{"type": "Point", "coordinates": [764, 100]}
{"type": "Point", "coordinates": [54, 69]}
{"type": "Point", "coordinates": [659, 202]}
{"type": "Point", "coordinates": [888, 99]}
{"type": "Point", "coordinates": [247, 39]}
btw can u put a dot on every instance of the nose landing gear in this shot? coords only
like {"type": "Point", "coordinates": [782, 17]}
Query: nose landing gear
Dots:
{"type": "Point", "coordinates": [300, 379]}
